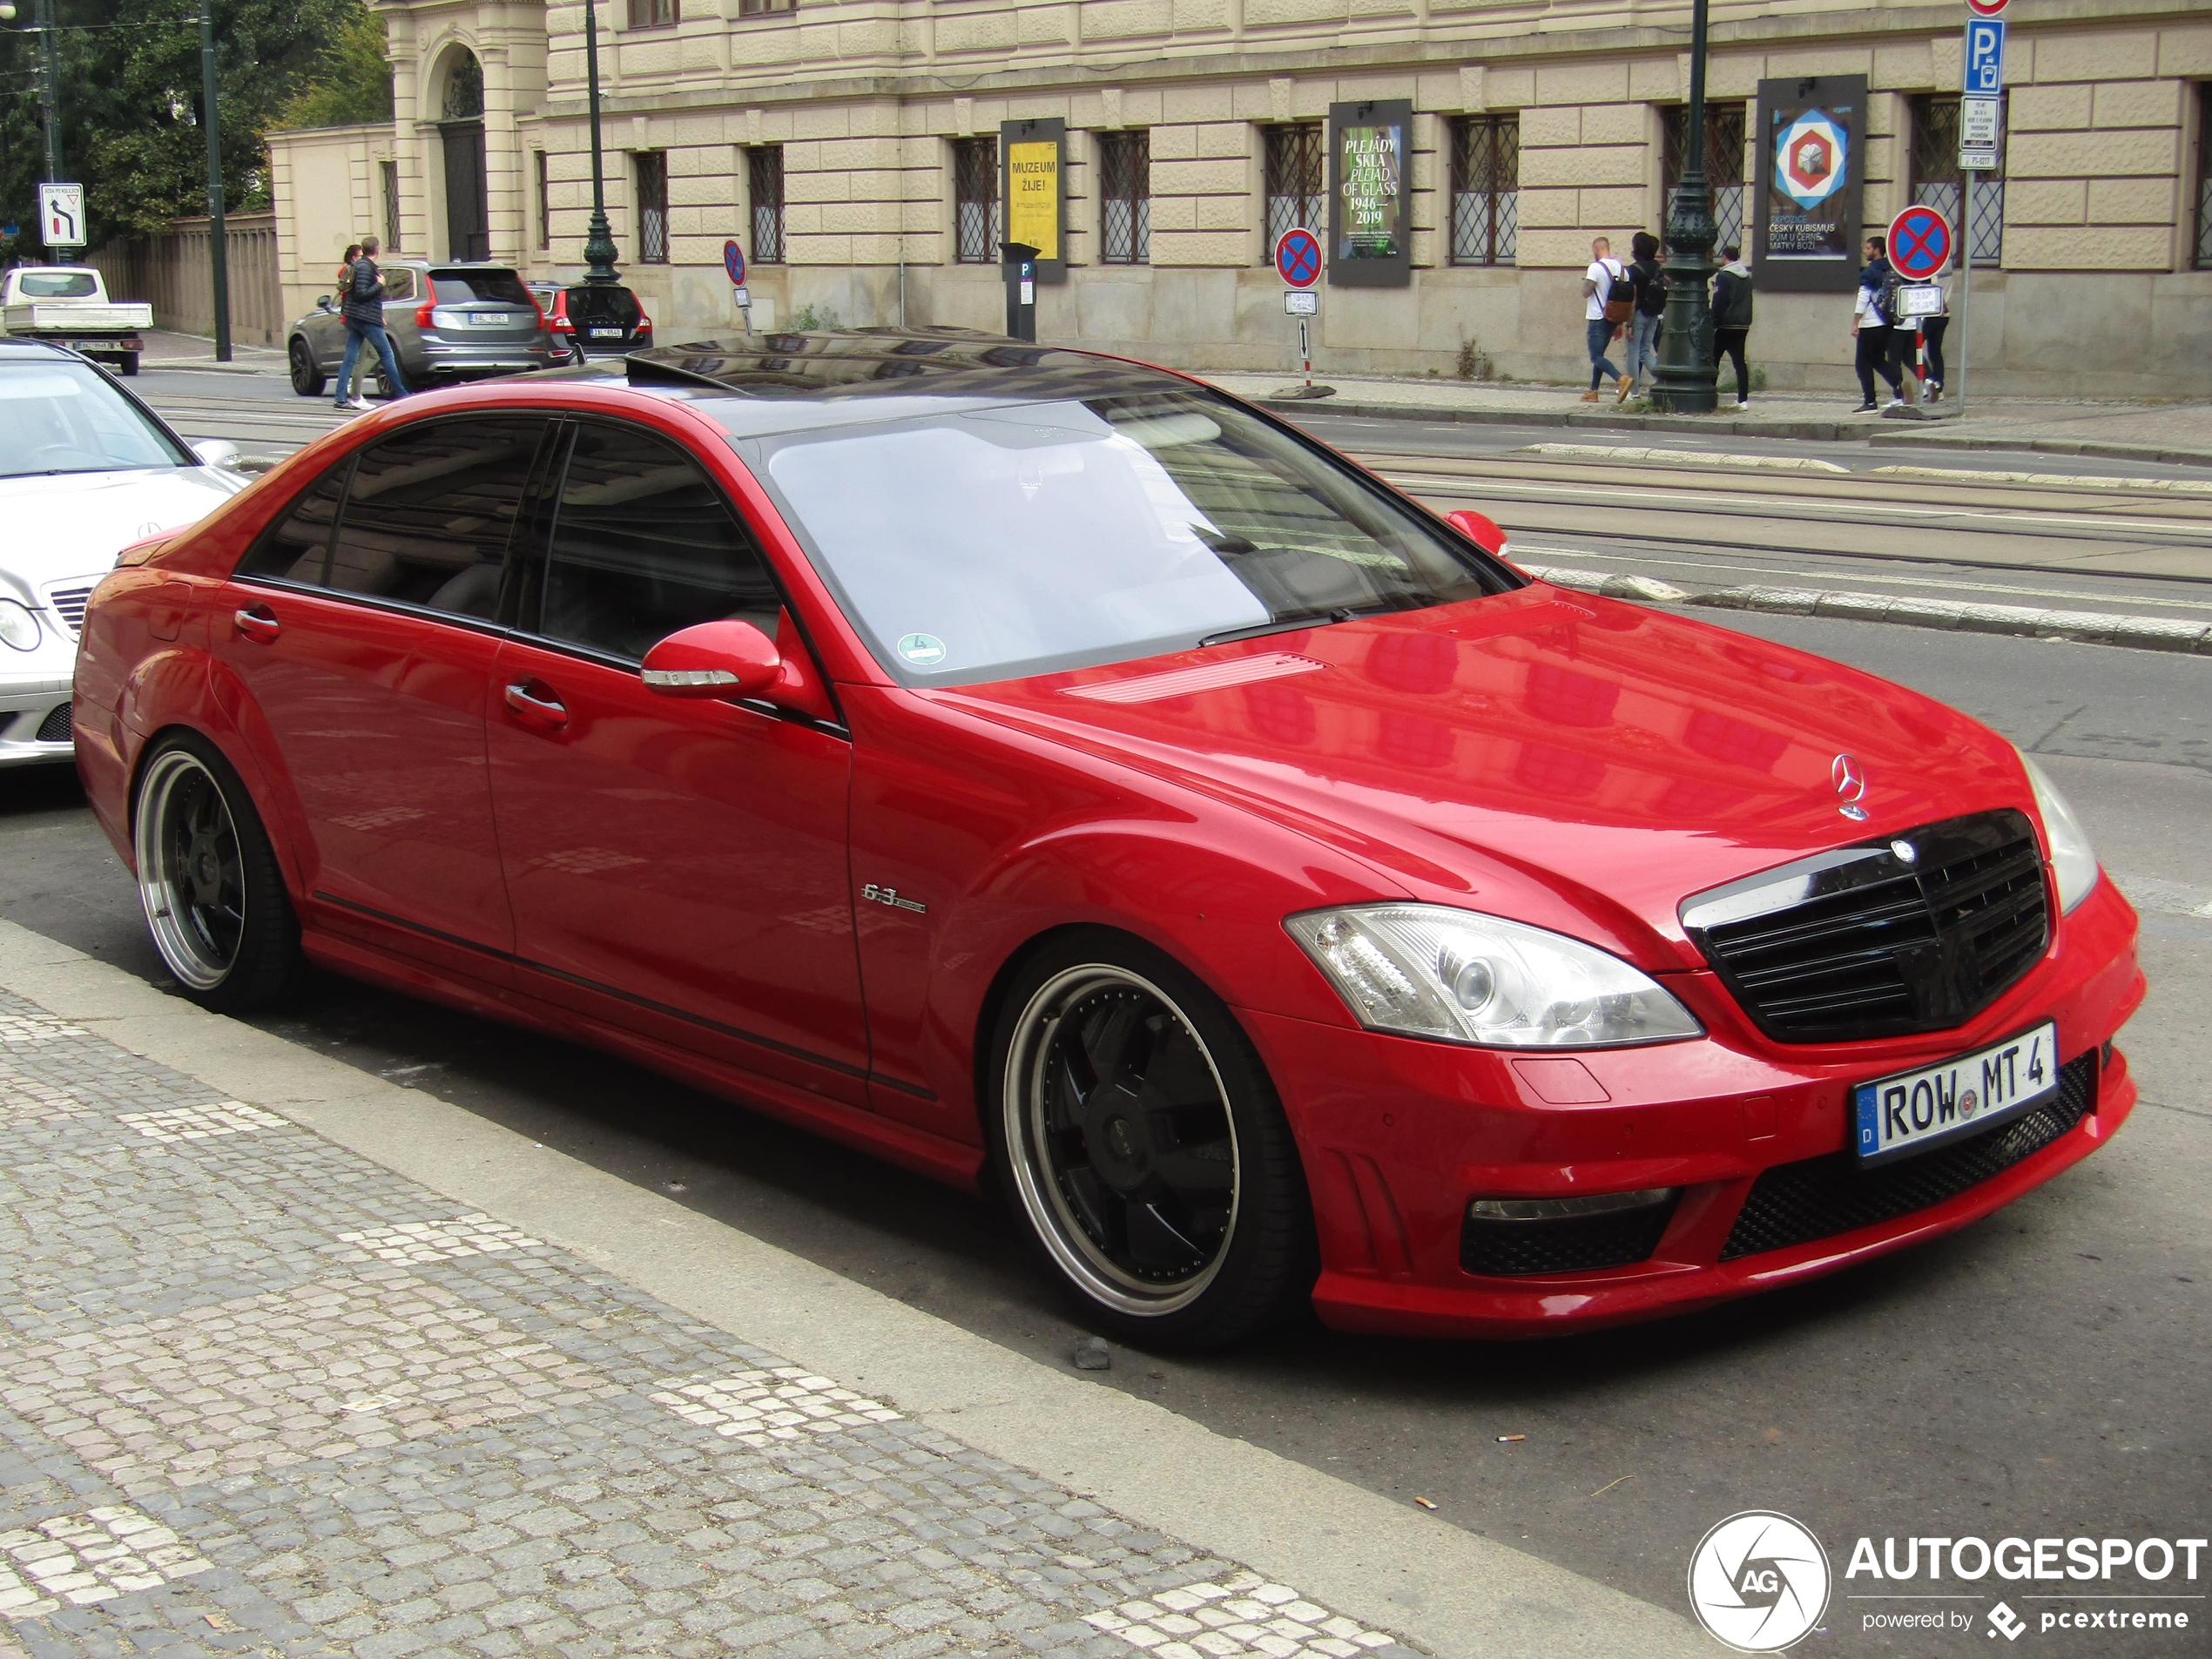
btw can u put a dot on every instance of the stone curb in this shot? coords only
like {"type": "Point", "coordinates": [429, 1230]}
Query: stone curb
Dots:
{"type": "Point", "coordinates": [2083, 627]}
{"type": "Point", "coordinates": [1868, 431]}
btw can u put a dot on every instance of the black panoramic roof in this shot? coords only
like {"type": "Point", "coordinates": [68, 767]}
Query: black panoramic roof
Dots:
{"type": "Point", "coordinates": [820, 366]}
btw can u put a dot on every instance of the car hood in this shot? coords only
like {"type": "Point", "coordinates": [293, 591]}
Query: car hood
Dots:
{"type": "Point", "coordinates": [1579, 762]}
{"type": "Point", "coordinates": [74, 524]}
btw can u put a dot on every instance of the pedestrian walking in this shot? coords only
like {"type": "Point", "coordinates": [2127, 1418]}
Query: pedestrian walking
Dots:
{"type": "Point", "coordinates": [346, 270]}
{"type": "Point", "coordinates": [1608, 301]}
{"type": "Point", "coordinates": [1933, 329]}
{"type": "Point", "coordinates": [1870, 326]}
{"type": "Point", "coordinates": [364, 309]}
{"type": "Point", "coordinates": [1650, 284]}
{"type": "Point", "coordinates": [1732, 318]}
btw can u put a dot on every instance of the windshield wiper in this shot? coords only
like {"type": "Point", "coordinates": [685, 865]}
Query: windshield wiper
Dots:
{"type": "Point", "coordinates": [1311, 618]}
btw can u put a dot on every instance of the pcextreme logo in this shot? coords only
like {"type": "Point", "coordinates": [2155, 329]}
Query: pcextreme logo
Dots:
{"type": "Point", "coordinates": [1758, 1582]}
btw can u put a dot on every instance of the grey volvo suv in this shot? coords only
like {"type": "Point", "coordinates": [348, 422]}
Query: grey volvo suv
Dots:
{"type": "Point", "coordinates": [451, 321]}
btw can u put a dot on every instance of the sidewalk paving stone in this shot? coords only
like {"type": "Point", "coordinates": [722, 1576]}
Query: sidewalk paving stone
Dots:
{"type": "Point", "coordinates": [259, 1394]}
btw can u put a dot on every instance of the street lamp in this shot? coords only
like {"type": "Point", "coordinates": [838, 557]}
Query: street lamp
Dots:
{"type": "Point", "coordinates": [1688, 377]}
{"type": "Point", "coordinates": [218, 237]}
{"type": "Point", "coordinates": [599, 239]}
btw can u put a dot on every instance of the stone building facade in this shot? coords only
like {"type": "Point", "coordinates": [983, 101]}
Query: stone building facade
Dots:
{"type": "Point", "coordinates": [850, 147]}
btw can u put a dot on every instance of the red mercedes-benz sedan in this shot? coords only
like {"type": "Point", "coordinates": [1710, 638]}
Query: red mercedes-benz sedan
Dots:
{"type": "Point", "coordinates": [1046, 770]}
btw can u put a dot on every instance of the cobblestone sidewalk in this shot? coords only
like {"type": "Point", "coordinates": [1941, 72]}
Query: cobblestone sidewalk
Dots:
{"type": "Point", "coordinates": [260, 1395]}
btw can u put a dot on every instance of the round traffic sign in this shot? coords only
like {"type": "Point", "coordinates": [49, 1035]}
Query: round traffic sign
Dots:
{"type": "Point", "coordinates": [1920, 243]}
{"type": "Point", "coordinates": [733, 262]}
{"type": "Point", "coordinates": [1986, 8]}
{"type": "Point", "coordinates": [1297, 257]}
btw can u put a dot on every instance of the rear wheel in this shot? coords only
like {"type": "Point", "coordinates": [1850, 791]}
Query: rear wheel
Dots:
{"type": "Point", "coordinates": [127, 364]}
{"type": "Point", "coordinates": [1142, 1147]}
{"type": "Point", "coordinates": [208, 880]}
{"type": "Point", "coordinates": [306, 379]}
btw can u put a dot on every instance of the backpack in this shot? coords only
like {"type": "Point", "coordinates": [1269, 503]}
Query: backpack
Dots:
{"type": "Point", "coordinates": [1621, 309]}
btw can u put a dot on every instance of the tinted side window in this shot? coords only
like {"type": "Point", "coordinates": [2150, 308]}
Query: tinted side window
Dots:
{"type": "Point", "coordinates": [398, 285]}
{"type": "Point", "coordinates": [643, 546]}
{"type": "Point", "coordinates": [431, 510]}
{"type": "Point", "coordinates": [296, 547]}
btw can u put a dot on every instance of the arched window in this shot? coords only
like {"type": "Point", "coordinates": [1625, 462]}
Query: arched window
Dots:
{"type": "Point", "coordinates": [464, 98]}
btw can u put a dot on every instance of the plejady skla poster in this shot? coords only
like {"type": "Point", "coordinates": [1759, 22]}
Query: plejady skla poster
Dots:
{"type": "Point", "coordinates": [1370, 216]}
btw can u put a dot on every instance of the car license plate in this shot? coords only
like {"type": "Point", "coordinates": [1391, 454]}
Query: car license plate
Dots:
{"type": "Point", "coordinates": [606, 333]}
{"type": "Point", "coordinates": [1914, 1111]}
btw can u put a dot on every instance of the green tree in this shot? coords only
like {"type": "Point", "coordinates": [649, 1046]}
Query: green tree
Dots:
{"type": "Point", "coordinates": [131, 95]}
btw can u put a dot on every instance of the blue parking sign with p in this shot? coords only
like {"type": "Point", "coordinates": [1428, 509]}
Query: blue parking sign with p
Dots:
{"type": "Point", "coordinates": [1985, 55]}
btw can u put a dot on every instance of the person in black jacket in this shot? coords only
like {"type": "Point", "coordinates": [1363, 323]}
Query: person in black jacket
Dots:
{"type": "Point", "coordinates": [364, 310]}
{"type": "Point", "coordinates": [1732, 318]}
{"type": "Point", "coordinates": [1651, 304]}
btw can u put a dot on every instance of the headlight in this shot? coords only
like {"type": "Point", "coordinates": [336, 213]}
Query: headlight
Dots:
{"type": "Point", "coordinates": [18, 626]}
{"type": "Point", "coordinates": [1431, 971]}
{"type": "Point", "coordinates": [2073, 861]}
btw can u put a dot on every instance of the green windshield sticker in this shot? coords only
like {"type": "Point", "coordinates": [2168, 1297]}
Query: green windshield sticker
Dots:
{"type": "Point", "coordinates": [923, 651]}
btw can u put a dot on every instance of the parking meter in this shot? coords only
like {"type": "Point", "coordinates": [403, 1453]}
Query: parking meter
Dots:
{"type": "Point", "coordinates": [1021, 268]}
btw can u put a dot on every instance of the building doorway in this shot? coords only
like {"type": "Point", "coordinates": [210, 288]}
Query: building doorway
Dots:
{"type": "Point", "coordinates": [460, 132]}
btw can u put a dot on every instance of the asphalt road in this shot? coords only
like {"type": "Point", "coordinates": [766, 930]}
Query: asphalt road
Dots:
{"type": "Point", "coordinates": [2040, 1374]}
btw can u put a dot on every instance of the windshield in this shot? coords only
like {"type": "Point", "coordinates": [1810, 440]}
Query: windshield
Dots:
{"type": "Point", "coordinates": [64, 417]}
{"type": "Point", "coordinates": [459, 287]}
{"type": "Point", "coordinates": [57, 285]}
{"type": "Point", "coordinates": [980, 544]}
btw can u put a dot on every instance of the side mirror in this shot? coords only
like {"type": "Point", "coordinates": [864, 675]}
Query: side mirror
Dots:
{"type": "Point", "coordinates": [1484, 532]}
{"type": "Point", "coordinates": [713, 659]}
{"type": "Point", "coordinates": [216, 452]}
{"type": "Point", "coordinates": [322, 302]}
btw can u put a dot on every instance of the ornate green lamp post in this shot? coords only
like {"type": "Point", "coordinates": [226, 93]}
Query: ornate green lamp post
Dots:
{"type": "Point", "coordinates": [599, 239]}
{"type": "Point", "coordinates": [1687, 381]}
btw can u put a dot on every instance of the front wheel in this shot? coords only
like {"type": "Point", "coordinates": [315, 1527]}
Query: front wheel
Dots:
{"type": "Point", "coordinates": [208, 880]}
{"type": "Point", "coordinates": [306, 379]}
{"type": "Point", "coordinates": [1142, 1148]}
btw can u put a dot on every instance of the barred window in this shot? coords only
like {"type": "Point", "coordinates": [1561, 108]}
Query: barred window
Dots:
{"type": "Point", "coordinates": [1125, 190]}
{"type": "Point", "coordinates": [1295, 187]}
{"type": "Point", "coordinates": [388, 176]}
{"type": "Point", "coordinates": [652, 207]}
{"type": "Point", "coordinates": [2204, 176]}
{"type": "Point", "coordinates": [764, 185]}
{"type": "Point", "coordinates": [653, 14]}
{"type": "Point", "coordinates": [1486, 189]}
{"type": "Point", "coordinates": [1937, 183]}
{"type": "Point", "coordinates": [545, 202]}
{"type": "Point", "coordinates": [1724, 135]}
{"type": "Point", "coordinates": [978, 217]}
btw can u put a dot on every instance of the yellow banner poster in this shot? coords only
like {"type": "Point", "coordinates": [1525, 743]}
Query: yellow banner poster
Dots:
{"type": "Point", "coordinates": [1033, 196]}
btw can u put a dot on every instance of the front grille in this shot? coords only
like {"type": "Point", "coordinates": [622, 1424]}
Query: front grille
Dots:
{"type": "Point", "coordinates": [69, 604]}
{"type": "Point", "coordinates": [1570, 1244]}
{"type": "Point", "coordinates": [1794, 1203]}
{"type": "Point", "coordinates": [1866, 942]}
{"type": "Point", "coordinates": [55, 728]}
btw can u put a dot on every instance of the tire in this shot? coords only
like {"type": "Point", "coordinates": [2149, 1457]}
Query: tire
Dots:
{"type": "Point", "coordinates": [208, 881]}
{"type": "Point", "coordinates": [1182, 1221]}
{"type": "Point", "coordinates": [306, 379]}
{"type": "Point", "coordinates": [127, 365]}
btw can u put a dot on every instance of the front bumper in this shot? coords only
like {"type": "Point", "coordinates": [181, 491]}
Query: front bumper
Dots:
{"type": "Point", "coordinates": [1398, 1135]}
{"type": "Point", "coordinates": [34, 720]}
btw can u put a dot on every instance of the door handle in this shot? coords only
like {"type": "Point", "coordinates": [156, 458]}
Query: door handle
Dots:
{"type": "Point", "coordinates": [535, 704]}
{"type": "Point", "coordinates": [259, 624]}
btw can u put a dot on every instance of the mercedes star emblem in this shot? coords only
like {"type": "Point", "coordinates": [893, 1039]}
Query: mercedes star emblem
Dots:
{"type": "Point", "coordinates": [1850, 788]}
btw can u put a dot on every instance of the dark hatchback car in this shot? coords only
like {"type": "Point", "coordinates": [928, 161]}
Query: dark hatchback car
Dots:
{"type": "Point", "coordinates": [589, 320]}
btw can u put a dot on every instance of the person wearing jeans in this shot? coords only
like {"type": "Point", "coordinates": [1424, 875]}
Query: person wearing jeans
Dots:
{"type": "Point", "coordinates": [1605, 274]}
{"type": "Point", "coordinates": [1651, 304]}
{"type": "Point", "coordinates": [1870, 326]}
{"type": "Point", "coordinates": [1732, 318]}
{"type": "Point", "coordinates": [364, 311]}
{"type": "Point", "coordinates": [1932, 330]}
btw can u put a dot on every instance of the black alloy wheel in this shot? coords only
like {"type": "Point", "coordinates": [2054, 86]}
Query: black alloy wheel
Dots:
{"type": "Point", "coordinates": [214, 900]}
{"type": "Point", "coordinates": [1142, 1145]}
{"type": "Point", "coordinates": [306, 379]}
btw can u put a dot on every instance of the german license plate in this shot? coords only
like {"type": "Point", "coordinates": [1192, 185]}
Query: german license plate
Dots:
{"type": "Point", "coordinates": [606, 333]}
{"type": "Point", "coordinates": [1915, 1111]}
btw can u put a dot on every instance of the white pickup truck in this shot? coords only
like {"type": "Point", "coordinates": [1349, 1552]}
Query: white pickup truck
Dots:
{"type": "Point", "coordinates": [67, 305]}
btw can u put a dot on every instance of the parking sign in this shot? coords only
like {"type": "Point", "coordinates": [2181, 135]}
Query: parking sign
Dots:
{"type": "Point", "coordinates": [1984, 56]}
{"type": "Point", "coordinates": [61, 215]}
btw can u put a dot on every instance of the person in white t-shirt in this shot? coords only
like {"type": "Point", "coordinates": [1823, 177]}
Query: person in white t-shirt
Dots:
{"type": "Point", "coordinates": [1600, 282]}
